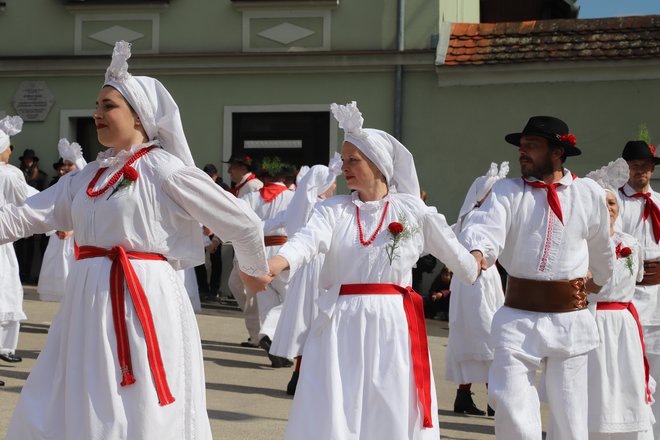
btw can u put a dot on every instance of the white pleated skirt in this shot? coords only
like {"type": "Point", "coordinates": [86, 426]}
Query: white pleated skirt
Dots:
{"type": "Point", "coordinates": [357, 381]}
{"type": "Point", "coordinates": [74, 392]}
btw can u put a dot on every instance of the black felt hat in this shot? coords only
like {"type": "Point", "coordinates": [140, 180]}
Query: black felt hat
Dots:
{"type": "Point", "coordinates": [241, 160]}
{"type": "Point", "coordinates": [553, 129]}
{"type": "Point", "coordinates": [639, 150]}
{"type": "Point", "coordinates": [29, 154]}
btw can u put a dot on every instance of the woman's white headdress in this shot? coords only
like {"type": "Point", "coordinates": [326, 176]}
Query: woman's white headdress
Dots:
{"type": "Point", "coordinates": [158, 112]}
{"type": "Point", "coordinates": [612, 176]}
{"type": "Point", "coordinates": [478, 190]}
{"type": "Point", "coordinates": [384, 150]}
{"type": "Point", "coordinates": [9, 126]}
{"type": "Point", "coordinates": [71, 152]}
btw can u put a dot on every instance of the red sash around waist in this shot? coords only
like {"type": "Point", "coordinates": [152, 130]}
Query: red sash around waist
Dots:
{"type": "Point", "coordinates": [413, 307]}
{"type": "Point", "coordinates": [122, 270]}
{"type": "Point", "coordinates": [633, 311]}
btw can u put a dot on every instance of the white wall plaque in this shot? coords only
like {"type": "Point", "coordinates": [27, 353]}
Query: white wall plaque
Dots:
{"type": "Point", "coordinates": [33, 100]}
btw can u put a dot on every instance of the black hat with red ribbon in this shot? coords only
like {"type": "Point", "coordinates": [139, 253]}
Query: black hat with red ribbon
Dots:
{"type": "Point", "coordinates": [639, 150]}
{"type": "Point", "coordinates": [553, 129]}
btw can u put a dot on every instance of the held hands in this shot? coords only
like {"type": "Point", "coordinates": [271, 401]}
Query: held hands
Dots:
{"type": "Point", "coordinates": [589, 285]}
{"type": "Point", "coordinates": [258, 284]}
{"type": "Point", "coordinates": [63, 235]}
{"type": "Point", "coordinates": [482, 264]}
{"type": "Point", "coordinates": [255, 284]}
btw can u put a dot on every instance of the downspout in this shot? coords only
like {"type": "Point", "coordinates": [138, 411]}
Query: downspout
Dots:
{"type": "Point", "coordinates": [398, 72]}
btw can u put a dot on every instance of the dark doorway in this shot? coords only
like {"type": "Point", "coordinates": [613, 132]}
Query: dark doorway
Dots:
{"type": "Point", "coordinates": [310, 131]}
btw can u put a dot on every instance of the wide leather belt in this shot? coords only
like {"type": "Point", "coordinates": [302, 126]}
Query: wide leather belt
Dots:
{"type": "Point", "coordinates": [545, 296]}
{"type": "Point", "coordinates": [275, 240]}
{"type": "Point", "coordinates": [651, 273]}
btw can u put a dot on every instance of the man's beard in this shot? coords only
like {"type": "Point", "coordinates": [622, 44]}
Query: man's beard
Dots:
{"type": "Point", "coordinates": [538, 170]}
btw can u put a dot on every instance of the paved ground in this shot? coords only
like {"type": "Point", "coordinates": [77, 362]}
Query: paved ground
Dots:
{"type": "Point", "coordinates": [246, 398]}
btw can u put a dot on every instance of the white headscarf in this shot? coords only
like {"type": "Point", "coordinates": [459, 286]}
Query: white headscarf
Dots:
{"type": "Point", "coordinates": [158, 112]}
{"type": "Point", "coordinates": [612, 176]}
{"type": "Point", "coordinates": [385, 151]}
{"type": "Point", "coordinates": [9, 126]}
{"type": "Point", "coordinates": [479, 189]}
{"type": "Point", "coordinates": [315, 182]}
{"type": "Point", "coordinates": [71, 152]}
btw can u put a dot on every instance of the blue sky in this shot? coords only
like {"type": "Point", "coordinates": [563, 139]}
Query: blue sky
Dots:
{"type": "Point", "coordinates": [616, 8]}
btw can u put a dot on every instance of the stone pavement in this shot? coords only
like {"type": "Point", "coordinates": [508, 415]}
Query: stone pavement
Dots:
{"type": "Point", "coordinates": [245, 397]}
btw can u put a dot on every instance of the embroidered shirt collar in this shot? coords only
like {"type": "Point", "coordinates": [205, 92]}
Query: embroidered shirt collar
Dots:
{"type": "Point", "coordinates": [370, 205]}
{"type": "Point", "coordinates": [112, 157]}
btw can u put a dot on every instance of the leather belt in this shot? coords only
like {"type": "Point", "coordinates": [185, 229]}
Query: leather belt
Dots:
{"type": "Point", "coordinates": [545, 296]}
{"type": "Point", "coordinates": [651, 273]}
{"type": "Point", "coordinates": [275, 240]}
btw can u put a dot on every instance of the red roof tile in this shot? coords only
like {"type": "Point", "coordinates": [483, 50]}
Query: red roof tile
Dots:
{"type": "Point", "coordinates": [554, 40]}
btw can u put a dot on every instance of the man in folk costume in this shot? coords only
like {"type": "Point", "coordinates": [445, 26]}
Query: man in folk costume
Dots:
{"type": "Point", "coordinates": [245, 182]}
{"type": "Point", "coordinates": [14, 190]}
{"type": "Point", "coordinates": [640, 217]}
{"type": "Point", "coordinates": [268, 202]}
{"type": "Point", "coordinates": [548, 229]}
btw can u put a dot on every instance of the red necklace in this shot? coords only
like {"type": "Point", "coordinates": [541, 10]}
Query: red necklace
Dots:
{"type": "Point", "coordinates": [116, 176]}
{"type": "Point", "coordinates": [380, 225]}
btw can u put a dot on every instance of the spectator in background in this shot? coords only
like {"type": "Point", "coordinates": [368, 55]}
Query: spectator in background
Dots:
{"type": "Point", "coordinates": [30, 250]}
{"type": "Point", "coordinates": [436, 303]}
{"type": "Point", "coordinates": [57, 166]}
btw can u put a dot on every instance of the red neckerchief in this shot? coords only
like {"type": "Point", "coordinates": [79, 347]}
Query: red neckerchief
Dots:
{"type": "Point", "coordinates": [271, 191]}
{"type": "Point", "coordinates": [238, 187]}
{"type": "Point", "coordinates": [650, 210]}
{"type": "Point", "coordinates": [553, 198]}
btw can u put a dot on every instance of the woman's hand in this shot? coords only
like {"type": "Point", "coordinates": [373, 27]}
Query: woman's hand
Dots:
{"type": "Point", "coordinates": [277, 264]}
{"type": "Point", "coordinates": [63, 235]}
{"type": "Point", "coordinates": [256, 284]}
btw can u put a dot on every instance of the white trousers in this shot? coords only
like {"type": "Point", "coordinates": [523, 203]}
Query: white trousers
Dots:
{"type": "Point", "coordinates": [270, 307]}
{"type": "Point", "coordinates": [246, 301]}
{"type": "Point", "coordinates": [9, 336]}
{"type": "Point", "coordinates": [513, 394]}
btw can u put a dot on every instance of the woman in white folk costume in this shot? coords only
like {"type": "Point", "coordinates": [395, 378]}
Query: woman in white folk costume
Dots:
{"type": "Point", "coordinates": [299, 308]}
{"type": "Point", "coordinates": [123, 358]}
{"type": "Point", "coordinates": [620, 389]}
{"type": "Point", "coordinates": [365, 375]}
{"type": "Point", "coordinates": [60, 253]}
{"type": "Point", "coordinates": [13, 189]}
{"type": "Point", "coordinates": [471, 310]}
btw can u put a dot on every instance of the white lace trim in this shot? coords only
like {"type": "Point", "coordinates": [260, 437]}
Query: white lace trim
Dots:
{"type": "Point", "coordinates": [370, 205]}
{"type": "Point", "coordinates": [111, 157]}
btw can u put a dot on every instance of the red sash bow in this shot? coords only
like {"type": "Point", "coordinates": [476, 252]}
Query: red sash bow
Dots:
{"type": "Point", "coordinates": [650, 210]}
{"type": "Point", "coordinates": [413, 306]}
{"type": "Point", "coordinates": [122, 270]}
{"type": "Point", "coordinates": [605, 305]}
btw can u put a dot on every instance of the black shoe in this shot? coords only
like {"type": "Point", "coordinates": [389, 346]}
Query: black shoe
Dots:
{"type": "Point", "coordinates": [465, 405]}
{"type": "Point", "coordinates": [490, 411]}
{"type": "Point", "coordinates": [249, 344]}
{"type": "Point", "coordinates": [279, 362]}
{"type": "Point", "coordinates": [265, 343]}
{"type": "Point", "coordinates": [293, 383]}
{"type": "Point", "coordinates": [12, 358]}
{"type": "Point", "coordinates": [275, 361]}
{"type": "Point", "coordinates": [2, 384]}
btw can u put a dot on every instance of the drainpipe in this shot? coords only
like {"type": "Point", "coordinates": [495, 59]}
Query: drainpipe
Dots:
{"type": "Point", "coordinates": [398, 72]}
